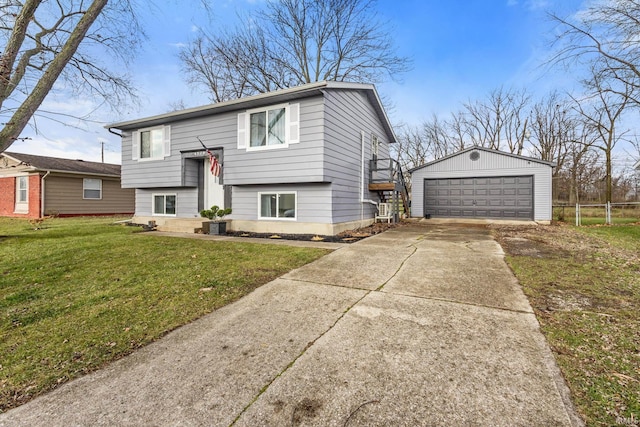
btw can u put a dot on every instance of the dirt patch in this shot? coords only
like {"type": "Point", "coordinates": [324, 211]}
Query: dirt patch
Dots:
{"type": "Point", "coordinates": [306, 409]}
{"type": "Point", "coordinates": [349, 236]}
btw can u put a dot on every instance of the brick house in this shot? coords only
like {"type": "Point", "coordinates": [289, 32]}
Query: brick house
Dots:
{"type": "Point", "coordinates": [34, 186]}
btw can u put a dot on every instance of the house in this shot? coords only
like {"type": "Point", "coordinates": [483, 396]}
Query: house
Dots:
{"type": "Point", "coordinates": [35, 186]}
{"type": "Point", "coordinates": [479, 182]}
{"type": "Point", "coordinates": [297, 160]}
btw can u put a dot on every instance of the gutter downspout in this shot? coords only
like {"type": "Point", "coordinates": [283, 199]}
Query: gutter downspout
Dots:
{"type": "Point", "coordinates": [42, 193]}
{"type": "Point", "coordinates": [362, 180]}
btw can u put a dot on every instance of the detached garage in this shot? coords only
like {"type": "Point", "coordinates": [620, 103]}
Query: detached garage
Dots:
{"type": "Point", "coordinates": [481, 183]}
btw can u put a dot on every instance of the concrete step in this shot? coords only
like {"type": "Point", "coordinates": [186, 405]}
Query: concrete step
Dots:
{"type": "Point", "coordinates": [181, 225]}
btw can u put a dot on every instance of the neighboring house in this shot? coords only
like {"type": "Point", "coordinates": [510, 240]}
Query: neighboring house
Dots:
{"type": "Point", "coordinates": [483, 183]}
{"type": "Point", "coordinates": [293, 161]}
{"type": "Point", "coordinates": [35, 186]}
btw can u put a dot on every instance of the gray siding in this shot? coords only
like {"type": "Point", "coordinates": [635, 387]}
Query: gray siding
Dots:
{"type": "Point", "coordinates": [64, 196]}
{"type": "Point", "coordinates": [348, 113]}
{"type": "Point", "coordinates": [186, 201]}
{"type": "Point", "coordinates": [313, 200]}
{"type": "Point", "coordinates": [488, 165]}
{"type": "Point", "coordinates": [301, 162]}
{"type": "Point", "coordinates": [324, 167]}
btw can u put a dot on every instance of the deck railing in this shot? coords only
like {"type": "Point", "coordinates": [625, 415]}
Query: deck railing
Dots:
{"type": "Point", "coordinates": [388, 171]}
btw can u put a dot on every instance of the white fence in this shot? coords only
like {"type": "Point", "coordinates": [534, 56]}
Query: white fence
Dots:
{"type": "Point", "coordinates": [608, 208]}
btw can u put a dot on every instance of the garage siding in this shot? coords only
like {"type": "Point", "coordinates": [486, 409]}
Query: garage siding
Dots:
{"type": "Point", "coordinates": [490, 164]}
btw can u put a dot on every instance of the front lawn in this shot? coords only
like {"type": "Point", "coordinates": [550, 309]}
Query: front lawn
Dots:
{"type": "Point", "coordinates": [584, 286]}
{"type": "Point", "coordinates": [82, 292]}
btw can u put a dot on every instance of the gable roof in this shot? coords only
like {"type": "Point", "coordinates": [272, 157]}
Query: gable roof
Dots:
{"type": "Point", "coordinates": [55, 164]}
{"type": "Point", "coordinates": [263, 99]}
{"type": "Point", "coordinates": [488, 150]}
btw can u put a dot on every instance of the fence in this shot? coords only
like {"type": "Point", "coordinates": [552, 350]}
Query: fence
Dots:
{"type": "Point", "coordinates": [603, 213]}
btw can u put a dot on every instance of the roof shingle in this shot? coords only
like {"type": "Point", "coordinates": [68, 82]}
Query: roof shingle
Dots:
{"type": "Point", "coordinates": [66, 165]}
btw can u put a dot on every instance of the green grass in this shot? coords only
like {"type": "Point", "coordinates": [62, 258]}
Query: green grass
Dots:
{"type": "Point", "coordinates": [82, 292]}
{"type": "Point", "coordinates": [627, 237]}
{"type": "Point", "coordinates": [585, 290]}
{"type": "Point", "coordinates": [595, 216]}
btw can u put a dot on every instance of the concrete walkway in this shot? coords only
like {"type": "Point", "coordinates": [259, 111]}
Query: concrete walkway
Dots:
{"type": "Point", "coordinates": [418, 326]}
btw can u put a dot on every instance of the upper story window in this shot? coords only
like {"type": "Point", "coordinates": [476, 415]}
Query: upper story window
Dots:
{"type": "Point", "coordinates": [267, 128]}
{"type": "Point", "coordinates": [271, 127]}
{"type": "Point", "coordinates": [92, 189]}
{"type": "Point", "coordinates": [152, 143]}
{"type": "Point", "coordinates": [375, 146]}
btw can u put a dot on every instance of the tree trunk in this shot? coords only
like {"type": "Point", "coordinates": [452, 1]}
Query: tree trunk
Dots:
{"type": "Point", "coordinates": [23, 114]}
{"type": "Point", "coordinates": [14, 43]}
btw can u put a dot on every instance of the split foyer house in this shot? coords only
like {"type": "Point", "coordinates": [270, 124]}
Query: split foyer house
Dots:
{"type": "Point", "coordinates": [298, 160]}
{"type": "Point", "coordinates": [34, 186]}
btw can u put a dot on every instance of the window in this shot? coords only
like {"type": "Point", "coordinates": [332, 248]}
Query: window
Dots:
{"type": "Point", "coordinates": [92, 188]}
{"type": "Point", "coordinates": [151, 144]}
{"type": "Point", "coordinates": [164, 204]}
{"type": "Point", "coordinates": [22, 194]}
{"type": "Point", "coordinates": [268, 128]}
{"type": "Point", "coordinates": [22, 189]}
{"type": "Point", "coordinates": [375, 146]}
{"type": "Point", "coordinates": [277, 205]}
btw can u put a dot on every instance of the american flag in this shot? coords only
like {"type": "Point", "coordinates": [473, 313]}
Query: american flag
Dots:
{"type": "Point", "coordinates": [214, 166]}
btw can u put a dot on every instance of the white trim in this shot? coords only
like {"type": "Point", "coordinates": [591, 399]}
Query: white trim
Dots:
{"type": "Point", "coordinates": [84, 180]}
{"type": "Point", "coordinates": [293, 123]}
{"type": "Point", "coordinates": [136, 145]}
{"type": "Point", "coordinates": [242, 131]}
{"type": "Point", "coordinates": [277, 194]}
{"type": "Point", "coordinates": [153, 204]}
{"type": "Point", "coordinates": [21, 206]}
{"type": "Point", "coordinates": [265, 110]}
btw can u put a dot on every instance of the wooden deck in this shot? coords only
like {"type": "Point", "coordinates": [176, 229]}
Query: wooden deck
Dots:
{"type": "Point", "coordinates": [382, 186]}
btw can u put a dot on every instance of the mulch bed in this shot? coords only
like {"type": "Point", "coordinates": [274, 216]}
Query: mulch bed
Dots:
{"type": "Point", "coordinates": [348, 236]}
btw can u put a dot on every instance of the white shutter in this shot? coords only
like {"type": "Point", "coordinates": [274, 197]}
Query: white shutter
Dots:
{"type": "Point", "coordinates": [294, 123]}
{"type": "Point", "coordinates": [167, 141]}
{"type": "Point", "coordinates": [242, 131]}
{"type": "Point", "coordinates": [135, 145]}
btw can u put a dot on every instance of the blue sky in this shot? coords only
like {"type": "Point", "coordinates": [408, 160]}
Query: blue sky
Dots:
{"type": "Point", "coordinates": [461, 50]}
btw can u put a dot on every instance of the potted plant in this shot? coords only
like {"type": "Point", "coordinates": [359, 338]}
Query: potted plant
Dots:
{"type": "Point", "coordinates": [215, 214]}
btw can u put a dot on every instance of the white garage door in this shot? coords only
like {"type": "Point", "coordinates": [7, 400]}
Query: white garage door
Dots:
{"type": "Point", "coordinates": [503, 197]}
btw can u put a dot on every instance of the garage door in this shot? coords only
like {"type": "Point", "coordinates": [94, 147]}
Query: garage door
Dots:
{"type": "Point", "coordinates": [506, 197]}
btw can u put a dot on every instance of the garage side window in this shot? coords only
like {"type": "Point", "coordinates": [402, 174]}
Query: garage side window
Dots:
{"type": "Point", "coordinates": [277, 205]}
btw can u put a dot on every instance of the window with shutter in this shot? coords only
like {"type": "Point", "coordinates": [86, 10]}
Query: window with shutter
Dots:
{"type": "Point", "coordinates": [151, 143]}
{"type": "Point", "coordinates": [269, 128]}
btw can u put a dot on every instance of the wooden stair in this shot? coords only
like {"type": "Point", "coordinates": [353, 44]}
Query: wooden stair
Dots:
{"type": "Point", "coordinates": [387, 179]}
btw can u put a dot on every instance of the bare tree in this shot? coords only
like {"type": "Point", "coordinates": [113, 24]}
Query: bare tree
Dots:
{"type": "Point", "coordinates": [605, 36]}
{"type": "Point", "coordinates": [553, 129]}
{"type": "Point", "coordinates": [602, 112]}
{"type": "Point", "coordinates": [49, 41]}
{"type": "Point", "coordinates": [499, 120]}
{"type": "Point", "coordinates": [292, 42]}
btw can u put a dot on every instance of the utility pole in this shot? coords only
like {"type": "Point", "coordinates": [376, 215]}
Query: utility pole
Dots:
{"type": "Point", "coordinates": [102, 150]}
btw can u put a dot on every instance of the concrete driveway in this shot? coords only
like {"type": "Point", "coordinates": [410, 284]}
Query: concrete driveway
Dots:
{"type": "Point", "coordinates": [418, 326]}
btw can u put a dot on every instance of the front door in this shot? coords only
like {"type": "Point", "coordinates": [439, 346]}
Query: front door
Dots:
{"type": "Point", "coordinates": [213, 190]}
